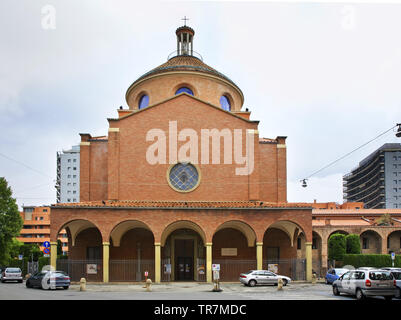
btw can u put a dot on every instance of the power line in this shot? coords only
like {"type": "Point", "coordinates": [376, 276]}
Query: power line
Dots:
{"type": "Point", "coordinates": [26, 166]}
{"type": "Point", "coordinates": [346, 155]}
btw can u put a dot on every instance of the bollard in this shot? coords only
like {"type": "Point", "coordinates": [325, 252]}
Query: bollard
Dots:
{"type": "Point", "coordinates": [148, 285]}
{"type": "Point", "coordinates": [314, 278]}
{"type": "Point", "coordinates": [82, 284]}
{"type": "Point", "coordinates": [280, 284]}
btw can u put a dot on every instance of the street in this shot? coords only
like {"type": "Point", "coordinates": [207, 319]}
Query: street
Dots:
{"type": "Point", "coordinates": [172, 291]}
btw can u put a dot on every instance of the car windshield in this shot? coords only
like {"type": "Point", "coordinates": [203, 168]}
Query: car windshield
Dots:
{"type": "Point", "coordinates": [13, 270]}
{"type": "Point", "coordinates": [248, 272]}
{"type": "Point", "coordinates": [380, 275]}
{"type": "Point", "coordinates": [341, 271]}
{"type": "Point", "coordinates": [397, 275]}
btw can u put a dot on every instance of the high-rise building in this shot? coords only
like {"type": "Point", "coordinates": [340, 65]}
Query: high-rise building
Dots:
{"type": "Point", "coordinates": [377, 179]}
{"type": "Point", "coordinates": [68, 164]}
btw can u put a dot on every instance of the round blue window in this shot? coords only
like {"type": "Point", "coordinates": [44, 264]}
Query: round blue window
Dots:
{"type": "Point", "coordinates": [184, 89]}
{"type": "Point", "coordinates": [184, 177]}
{"type": "Point", "coordinates": [225, 103]}
{"type": "Point", "coordinates": [143, 102]}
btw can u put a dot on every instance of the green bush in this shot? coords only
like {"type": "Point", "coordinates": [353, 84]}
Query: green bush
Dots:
{"type": "Point", "coordinates": [337, 246]}
{"type": "Point", "coordinates": [371, 260]}
{"type": "Point", "coordinates": [353, 244]}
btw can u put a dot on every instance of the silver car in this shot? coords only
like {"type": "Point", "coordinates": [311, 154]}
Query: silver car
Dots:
{"type": "Point", "coordinates": [396, 272]}
{"type": "Point", "coordinates": [11, 274]}
{"type": "Point", "coordinates": [366, 283]}
{"type": "Point", "coordinates": [254, 277]}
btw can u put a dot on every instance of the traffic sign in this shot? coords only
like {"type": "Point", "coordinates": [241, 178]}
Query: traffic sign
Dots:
{"type": "Point", "coordinates": [46, 250]}
{"type": "Point", "coordinates": [215, 267]}
{"type": "Point", "coordinates": [392, 255]}
{"type": "Point", "coordinates": [46, 244]}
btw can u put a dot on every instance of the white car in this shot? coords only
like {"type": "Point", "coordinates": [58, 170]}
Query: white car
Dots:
{"type": "Point", "coordinates": [11, 274]}
{"type": "Point", "coordinates": [254, 277]}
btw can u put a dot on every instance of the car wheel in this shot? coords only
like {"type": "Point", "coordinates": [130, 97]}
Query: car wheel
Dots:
{"type": "Point", "coordinates": [285, 282]}
{"type": "Point", "coordinates": [336, 292]}
{"type": "Point", "coordinates": [327, 281]}
{"type": "Point", "coordinates": [359, 294]}
{"type": "Point", "coordinates": [28, 284]}
{"type": "Point", "coordinates": [388, 298]}
{"type": "Point", "coordinates": [398, 295]}
{"type": "Point", "coordinates": [252, 283]}
{"type": "Point", "coordinates": [66, 287]}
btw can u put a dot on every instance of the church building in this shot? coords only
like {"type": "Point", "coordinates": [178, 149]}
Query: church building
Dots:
{"type": "Point", "coordinates": [183, 180]}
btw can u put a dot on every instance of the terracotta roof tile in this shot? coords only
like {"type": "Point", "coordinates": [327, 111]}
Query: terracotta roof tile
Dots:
{"type": "Point", "coordinates": [185, 204]}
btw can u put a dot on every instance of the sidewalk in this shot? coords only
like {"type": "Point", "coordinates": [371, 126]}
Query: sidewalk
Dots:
{"type": "Point", "coordinates": [174, 286]}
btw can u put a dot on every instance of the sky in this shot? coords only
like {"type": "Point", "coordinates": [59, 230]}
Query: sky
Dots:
{"type": "Point", "coordinates": [327, 75]}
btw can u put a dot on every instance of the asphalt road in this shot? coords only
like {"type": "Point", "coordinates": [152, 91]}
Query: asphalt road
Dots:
{"type": "Point", "coordinates": [174, 291]}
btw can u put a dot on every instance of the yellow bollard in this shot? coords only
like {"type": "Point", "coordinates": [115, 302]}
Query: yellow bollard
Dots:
{"type": "Point", "coordinates": [314, 278]}
{"type": "Point", "coordinates": [148, 285]}
{"type": "Point", "coordinates": [82, 284]}
{"type": "Point", "coordinates": [280, 284]}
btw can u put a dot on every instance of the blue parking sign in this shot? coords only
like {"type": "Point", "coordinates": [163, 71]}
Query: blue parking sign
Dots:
{"type": "Point", "coordinates": [46, 244]}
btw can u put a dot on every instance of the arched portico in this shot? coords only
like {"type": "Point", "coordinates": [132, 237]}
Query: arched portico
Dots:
{"type": "Point", "coordinates": [234, 249]}
{"type": "Point", "coordinates": [182, 252]}
{"type": "Point", "coordinates": [131, 251]}
{"type": "Point", "coordinates": [288, 249]}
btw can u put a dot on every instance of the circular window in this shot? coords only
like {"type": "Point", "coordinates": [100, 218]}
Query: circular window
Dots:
{"type": "Point", "coordinates": [225, 103]}
{"type": "Point", "coordinates": [143, 102]}
{"type": "Point", "coordinates": [183, 177]}
{"type": "Point", "coordinates": [184, 89]}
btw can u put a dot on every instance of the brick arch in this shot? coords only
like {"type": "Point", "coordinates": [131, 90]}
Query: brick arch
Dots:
{"type": "Point", "coordinates": [182, 224]}
{"type": "Point", "coordinates": [291, 228]}
{"type": "Point", "coordinates": [339, 230]}
{"type": "Point", "coordinates": [75, 227]}
{"type": "Point", "coordinates": [241, 226]}
{"type": "Point", "coordinates": [119, 229]}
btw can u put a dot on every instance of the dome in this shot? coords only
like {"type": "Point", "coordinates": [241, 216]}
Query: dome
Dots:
{"type": "Point", "coordinates": [184, 68]}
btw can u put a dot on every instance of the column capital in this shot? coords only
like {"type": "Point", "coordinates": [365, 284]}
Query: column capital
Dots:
{"type": "Point", "coordinates": [106, 243]}
{"type": "Point", "coordinates": [208, 244]}
{"type": "Point", "coordinates": [308, 243]}
{"type": "Point", "coordinates": [53, 243]}
{"type": "Point", "coordinates": [259, 243]}
{"type": "Point", "coordinates": [158, 244]}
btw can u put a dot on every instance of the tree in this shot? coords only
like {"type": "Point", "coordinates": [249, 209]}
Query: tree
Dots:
{"type": "Point", "coordinates": [10, 221]}
{"type": "Point", "coordinates": [337, 247]}
{"type": "Point", "coordinates": [384, 220]}
{"type": "Point", "coordinates": [353, 244]}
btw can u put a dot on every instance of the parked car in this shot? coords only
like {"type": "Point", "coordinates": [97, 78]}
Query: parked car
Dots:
{"type": "Point", "coordinates": [391, 269]}
{"type": "Point", "coordinates": [333, 274]}
{"type": "Point", "coordinates": [49, 280]}
{"type": "Point", "coordinates": [367, 268]}
{"type": "Point", "coordinates": [396, 272]}
{"type": "Point", "coordinates": [366, 283]}
{"type": "Point", "coordinates": [254, 277]}
{"type": "Point", "coordinates": [11, 274]}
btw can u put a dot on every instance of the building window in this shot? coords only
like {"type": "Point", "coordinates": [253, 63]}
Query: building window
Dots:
{"type": "Point", "coordinates": [93, 253]}
{"type": "Point", "coordinates": [184, 89]}
{"type": "Point", "coordinates": [314, 243]}
{"type": "Point", "coordinates": [225, 103]}
{"type": "Point", "coordinates": [183, 177]}
{"type": "Point", "coordinates": [365, 243]}
{"type": "Point", "coordinates": [143, 101]}
{"type": "Point", "coordinates": [299, 242]}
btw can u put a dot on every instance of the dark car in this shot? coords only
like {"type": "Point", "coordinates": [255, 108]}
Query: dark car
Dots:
{"type": "Point", "coordinates": [49, 280]}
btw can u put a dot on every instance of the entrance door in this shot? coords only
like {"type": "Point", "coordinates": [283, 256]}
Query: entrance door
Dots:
{"type": "Point", "coordinates": [184, 259]}
{"type": "Point", "coordinates": [185, 268]}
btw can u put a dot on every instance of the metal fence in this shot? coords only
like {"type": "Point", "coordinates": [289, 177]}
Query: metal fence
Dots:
{"type": "Point", "coordinates": [230, 269]}
{"type": "Point", "coordinates": [91, 270]}
{"type": "Point", "coordinates": [293, 268]}
{"type": "Point", "coordinates": [131, 270]}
